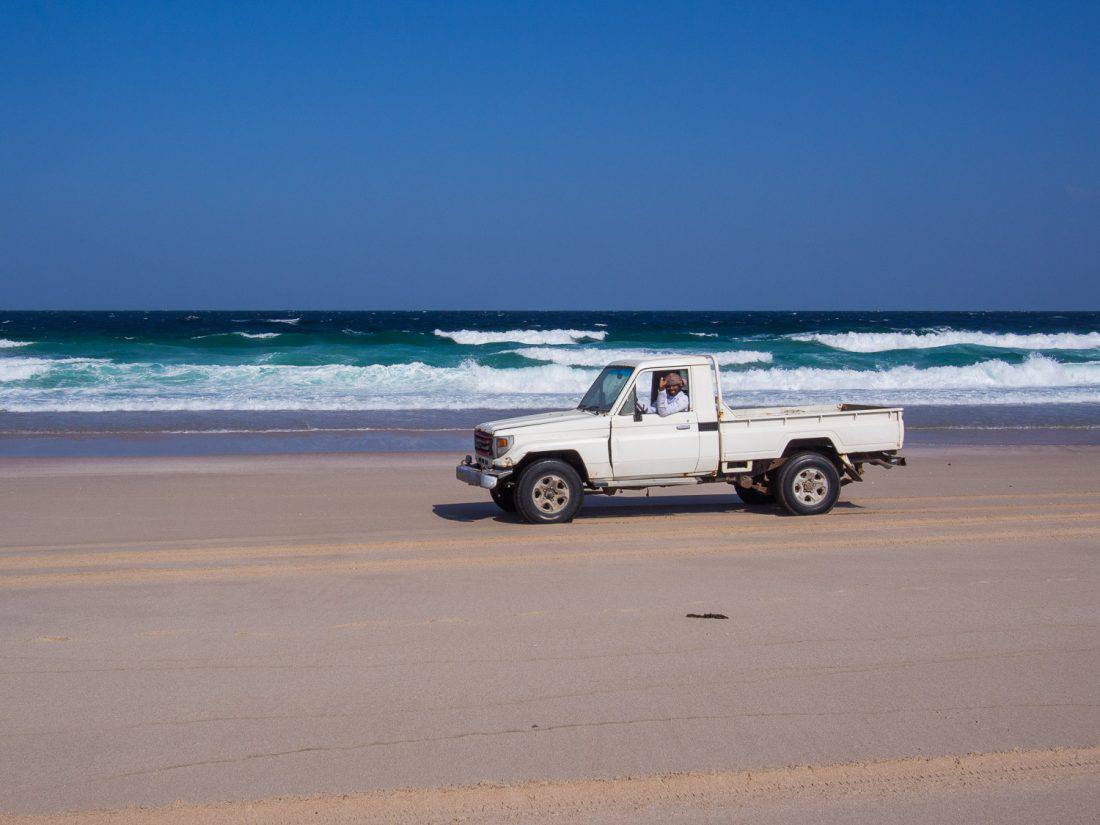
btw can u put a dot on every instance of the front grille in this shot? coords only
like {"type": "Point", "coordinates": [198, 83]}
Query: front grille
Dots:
{"type": "Point", "coordinates": [483, 443]}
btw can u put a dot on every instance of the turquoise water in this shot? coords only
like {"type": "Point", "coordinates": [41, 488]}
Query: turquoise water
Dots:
{"type": "Point", "coordinates": [208, 382]}
{"type": "Point", "coordinates": [71, 362]}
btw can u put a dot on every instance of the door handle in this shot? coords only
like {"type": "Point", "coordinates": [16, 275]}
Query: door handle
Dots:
{"type": "Point", "coordinates": [683, 426]}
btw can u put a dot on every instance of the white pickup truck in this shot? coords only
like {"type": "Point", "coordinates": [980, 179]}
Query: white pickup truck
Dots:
{"type": "Point", "coordinates": [541, 466]}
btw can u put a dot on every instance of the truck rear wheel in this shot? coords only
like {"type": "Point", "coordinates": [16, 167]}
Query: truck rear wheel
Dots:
{"type": "Point", "coordinates": [504, 496]}
{"type": "Point", "coordinates": [808, 484]}
{"type": "Point", "coordinates": [548, 492]}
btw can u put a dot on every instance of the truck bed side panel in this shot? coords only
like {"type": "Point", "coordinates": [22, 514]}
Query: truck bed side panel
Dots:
{"type": "Point", "coordinates": [748, 437]}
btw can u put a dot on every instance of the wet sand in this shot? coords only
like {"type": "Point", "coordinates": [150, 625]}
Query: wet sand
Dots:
{"type": "Point", "coordinates": [318, 631]}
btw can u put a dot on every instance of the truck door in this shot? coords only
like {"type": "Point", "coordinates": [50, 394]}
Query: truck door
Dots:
{"type": "Point", "coordinates": [654, 446]}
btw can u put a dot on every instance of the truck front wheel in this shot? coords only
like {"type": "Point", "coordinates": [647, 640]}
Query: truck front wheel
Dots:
{"type": "Point", "coordinates": [548, 492]}
{"type": "Point", "coordinates": [808, 484]}
{"type": "Point", "coordinates": [504, 496]}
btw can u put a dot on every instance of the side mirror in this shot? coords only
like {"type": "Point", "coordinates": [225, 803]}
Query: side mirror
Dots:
{"type": "Point", "coordinates": [637, 414]}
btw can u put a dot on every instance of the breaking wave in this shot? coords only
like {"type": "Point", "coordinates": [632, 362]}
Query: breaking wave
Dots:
{"type": "Point", "coordinates": [97, 385]}
{"type": "Point", "coordinates": [600, 357]}
{"type": "Point", "coordinates": [1036, 371]}
{"type": "Point", "coordinates": [239, 335]}
{"type": "Point", "coordinates": [884, 341]}
{"type": "Point", "coordinates": [27, 369]}
{"type": "Point", "coordinates": [522, 336]}
{"type": "Point", "coordinates": [86, 385]}
{"type": "Point", "coordinates": [6, 344]}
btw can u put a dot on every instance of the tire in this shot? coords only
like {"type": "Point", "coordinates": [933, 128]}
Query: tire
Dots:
{"type": "Point", "coordinates": [548, 492]}
{"type": "Point", "coordinates": [504, 496]}
{"type": "Point", "coordinates": [753, 497]}
{"type": "Point", "coordinates": [808, 484]}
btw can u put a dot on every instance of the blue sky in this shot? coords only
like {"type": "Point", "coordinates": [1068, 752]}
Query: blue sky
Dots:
{"type": "Point", "coordinates": [550, 155]}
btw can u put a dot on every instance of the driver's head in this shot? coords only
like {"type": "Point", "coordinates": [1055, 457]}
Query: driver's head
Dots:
{"type": "Point", "coordinates": [673, 383]}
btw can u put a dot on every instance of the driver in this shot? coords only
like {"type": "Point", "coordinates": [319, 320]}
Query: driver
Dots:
{"type": "Point", "coordinates": [671, 397]}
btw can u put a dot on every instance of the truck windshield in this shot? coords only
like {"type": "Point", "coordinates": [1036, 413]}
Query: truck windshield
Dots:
{"type": "Point", "coordinates": [605, 389]}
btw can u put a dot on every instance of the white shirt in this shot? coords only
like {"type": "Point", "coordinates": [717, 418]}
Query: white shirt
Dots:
{"type": "Point", "coordinates": [668, 405]}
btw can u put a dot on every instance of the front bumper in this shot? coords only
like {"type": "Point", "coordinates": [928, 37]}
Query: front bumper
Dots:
{"type": "Point", "coordinates": [477, 477]}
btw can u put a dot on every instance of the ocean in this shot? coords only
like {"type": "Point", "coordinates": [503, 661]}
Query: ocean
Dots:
{"type": "Point", "coordinates": [139, 382]}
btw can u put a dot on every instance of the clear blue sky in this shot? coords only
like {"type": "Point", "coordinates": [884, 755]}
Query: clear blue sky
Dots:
{"type": "Point", "coordinates": [551, 155]}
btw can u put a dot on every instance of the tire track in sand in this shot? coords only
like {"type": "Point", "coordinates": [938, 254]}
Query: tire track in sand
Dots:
{"type": "Point", "coordinates": [612, 551]}
{"type": "Point", "coordinates": [582, 799]}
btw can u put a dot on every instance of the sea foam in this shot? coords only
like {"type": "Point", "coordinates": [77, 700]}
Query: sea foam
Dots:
{"type": "Point", "coordinates": [6, 344]}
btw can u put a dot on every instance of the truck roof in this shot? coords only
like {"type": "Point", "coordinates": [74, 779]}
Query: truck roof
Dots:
{"type": "Point", "coordinates": [660, 361]}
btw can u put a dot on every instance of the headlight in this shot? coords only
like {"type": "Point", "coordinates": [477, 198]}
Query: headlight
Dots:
{"type": "Point", "coordinates": [502, 444]}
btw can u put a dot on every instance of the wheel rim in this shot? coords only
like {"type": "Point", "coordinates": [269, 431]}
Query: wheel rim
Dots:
{"type": "Point", "coordinates": [551, 494]}
{"type": "Point", "coordinates": [810, 486]}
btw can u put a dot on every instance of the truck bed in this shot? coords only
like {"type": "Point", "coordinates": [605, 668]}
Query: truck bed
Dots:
{"type": "Point", "coordinates": [764, 432]}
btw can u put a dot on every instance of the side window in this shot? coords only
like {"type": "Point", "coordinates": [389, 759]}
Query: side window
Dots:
{"type": "Point", "coordinates": [648, 388]}
{"type": "Point", "coordinates": [685, 375]}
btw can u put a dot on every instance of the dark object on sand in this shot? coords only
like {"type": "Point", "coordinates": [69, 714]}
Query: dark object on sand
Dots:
{"type": "Point", "coordinates": [706, 616]}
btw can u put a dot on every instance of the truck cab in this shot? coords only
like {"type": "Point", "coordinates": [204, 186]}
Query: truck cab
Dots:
{"type": "Point", "coordinates": [633, 430]}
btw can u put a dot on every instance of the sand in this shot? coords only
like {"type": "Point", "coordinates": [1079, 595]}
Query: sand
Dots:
{"type": "Point", "coordinates": [321, 631]}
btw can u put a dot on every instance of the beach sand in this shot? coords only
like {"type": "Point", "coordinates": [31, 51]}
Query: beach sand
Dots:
{"type": "Point", "coordinates": [346, 638]}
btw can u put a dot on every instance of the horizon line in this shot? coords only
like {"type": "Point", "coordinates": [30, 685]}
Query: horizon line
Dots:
{"type": "Point", "coordinates": [543, 311]}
